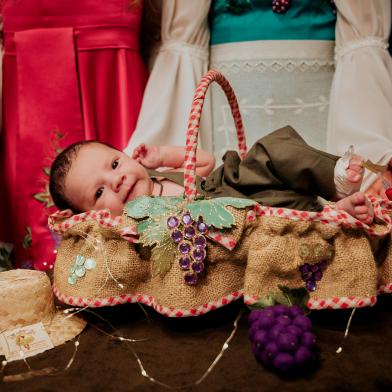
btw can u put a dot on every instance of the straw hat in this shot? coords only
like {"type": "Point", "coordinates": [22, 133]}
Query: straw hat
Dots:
{"type": "Point", "coordinates": [26, 298]}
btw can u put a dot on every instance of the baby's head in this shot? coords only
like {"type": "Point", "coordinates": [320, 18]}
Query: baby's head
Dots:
{"type": "Point", "coordinates": [90, 175]}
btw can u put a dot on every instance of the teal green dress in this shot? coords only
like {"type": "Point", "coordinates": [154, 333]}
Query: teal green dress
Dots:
{"type": "Point", "coordinates": [253, 20]}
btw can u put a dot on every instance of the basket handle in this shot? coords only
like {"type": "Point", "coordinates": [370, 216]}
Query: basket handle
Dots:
{"type": "Point", "coordinates": [194, 123]}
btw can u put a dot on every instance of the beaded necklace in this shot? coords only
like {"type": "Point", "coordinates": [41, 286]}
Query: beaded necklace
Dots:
{"type": "Point", "coordinates": [282, 6]}
{"type": "Point", "coordinates": [278, 6]}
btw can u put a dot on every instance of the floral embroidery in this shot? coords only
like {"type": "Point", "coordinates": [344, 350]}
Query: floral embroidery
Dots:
{"type": "Point", "coordinates": [27, 240]}
{"type": "Point", "coordinates": [44, 196]}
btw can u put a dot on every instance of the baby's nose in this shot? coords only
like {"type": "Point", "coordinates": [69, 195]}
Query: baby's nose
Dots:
{"type": "Point", "coordinates": [118, 181]}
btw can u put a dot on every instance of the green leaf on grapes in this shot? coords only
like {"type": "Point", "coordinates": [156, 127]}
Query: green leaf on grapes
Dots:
{"type": "Point", "coordinates": [286, 296]}
{"type": "Point", "coordinates": [296, 296]}
{"type": "Point", "coordinates": [147, 206]}
{"type": "Point", "coordinates": [152, 231]}
{"type": "Point", "coordinates": [162, 257]}
{"type": "Point", "coordinates": [214, 211]}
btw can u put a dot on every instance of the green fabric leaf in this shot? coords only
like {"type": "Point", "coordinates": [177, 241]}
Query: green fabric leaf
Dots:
{"type": "Point", "coordinates": [214, 211]}
{"type": "Point", "coordinates": [296, 296]}
{"type": "Point", "coordinates": [47, 171]}
{"type": "Point", "coordinates": [162, 257]}
{"type": "Point", "coordinates": [147, 206]}
{"type": "Point", "coordinates": [154, 231]}
{"type": "Point", "coordinates": [286, 296]}
{"type": "Point", "coordinates": [143, 225]}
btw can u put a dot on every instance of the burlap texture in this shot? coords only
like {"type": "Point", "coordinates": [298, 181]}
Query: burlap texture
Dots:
{"type": "Point", "coordinates": [268, 253]}
{"type": "Point", "coordinates": [383, 254]}
{"type": "Point", "coordinates": [113, 255]}
{"type": "Point", "coordinates": [275, 257]}
{"type": "Point", "coordinates": [128, 264]}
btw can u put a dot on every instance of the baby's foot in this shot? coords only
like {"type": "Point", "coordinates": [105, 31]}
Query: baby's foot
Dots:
{"type": "Point", "coordinates": [348, 175]}
{"type": "Point", "coordinates": [358, 206]}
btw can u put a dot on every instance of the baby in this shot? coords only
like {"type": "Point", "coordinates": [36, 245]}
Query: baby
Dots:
{"type": "Point", "coordinates": [280, 170]}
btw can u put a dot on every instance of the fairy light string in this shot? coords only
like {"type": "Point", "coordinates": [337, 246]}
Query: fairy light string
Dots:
{"type": "Point", "coordinates": [96, 244]}
{"type": "Point", "coordinates": [340, 348]}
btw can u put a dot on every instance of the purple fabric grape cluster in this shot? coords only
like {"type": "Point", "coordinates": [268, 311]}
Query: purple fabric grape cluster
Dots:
{"type": "Point", "coordinates": [281, 337]}
{"type": "Point", "coordinates": [189, 235]}
{"type": "Point", "coordinates": [312, 273]}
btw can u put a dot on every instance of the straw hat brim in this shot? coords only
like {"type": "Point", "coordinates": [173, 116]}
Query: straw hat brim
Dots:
{"type": "Point", "coordinates": [62, 328]}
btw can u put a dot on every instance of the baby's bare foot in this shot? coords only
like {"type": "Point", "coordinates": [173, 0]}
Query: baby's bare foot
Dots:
{"type": "Point", "coordinates": [358, 206]}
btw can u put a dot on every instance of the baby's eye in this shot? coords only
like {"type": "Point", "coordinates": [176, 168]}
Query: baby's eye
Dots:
{"type": "Point", "coordinates": [98, 193]}
{"type": "Point", "coordinates": [114, 164]}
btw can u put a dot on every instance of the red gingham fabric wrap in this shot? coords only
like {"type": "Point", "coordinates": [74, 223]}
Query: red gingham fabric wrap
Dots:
{"type": "Point", "coordinates": [331, 216]}
{"type": "Point", "coordinates": [194, 122]}
{"type": "Point", "coordinates": [103, 217]}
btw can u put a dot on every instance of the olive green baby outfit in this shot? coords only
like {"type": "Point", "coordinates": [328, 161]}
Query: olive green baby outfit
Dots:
{"type": "Point", "coordinates": [280, 170]}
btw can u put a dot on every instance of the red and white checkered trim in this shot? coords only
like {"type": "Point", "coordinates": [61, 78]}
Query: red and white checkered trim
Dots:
{"type": "Point", "coordinates": [149, 301]}
{"type": "Point", "coordinates": [103, 217]}
{"type": "Point", "coordinates": [194, 122]}
{"type": "Point", "coordinates": [385, 289]}
{"type": "Point", "coordinates": [341, 302]}
{"type": "Point", "coordinates": [331, 216]}
{"type": "Point", "coordinates": [328, 303]}
{"type": "Point", "coordinates": [221, 238]}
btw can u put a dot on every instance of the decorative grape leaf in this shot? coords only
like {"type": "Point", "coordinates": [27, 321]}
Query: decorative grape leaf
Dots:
{"type": "Point", "coordinates": [147, 206]}
{"type": "Point", "coordinates": [143, 225]}
{"type": "Point", "coordinates": [296, 296]}
{"type": "Point", "coordinates": [162, 257]}
{"type": "Point", "coordinates": [286, 296]}
{"type": "Point", "coordinates": [214, 211]}
{"type": "Point", "coordinates": [154, 231]}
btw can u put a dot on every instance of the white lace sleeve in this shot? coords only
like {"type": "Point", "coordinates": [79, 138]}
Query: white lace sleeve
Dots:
{"type": "Point", "coordinates": [361, 95]}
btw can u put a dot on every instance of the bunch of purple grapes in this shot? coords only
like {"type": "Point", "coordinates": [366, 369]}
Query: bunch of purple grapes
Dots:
{"type": "Point", "coordinates": [189, 235]}
{"type": "Point", "coordinates": [312, 273]}
{"type": "Point", "coordinates": [281, 337]}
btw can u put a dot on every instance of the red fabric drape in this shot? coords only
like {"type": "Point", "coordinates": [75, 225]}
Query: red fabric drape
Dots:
{"type": "Point", "coordinates": [72, 68]}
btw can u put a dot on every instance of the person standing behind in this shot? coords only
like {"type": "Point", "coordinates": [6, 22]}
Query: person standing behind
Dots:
{"type": "Point", "coordinates": [71, 70]}
{"type": "Point", "coordinates": [361, 94]}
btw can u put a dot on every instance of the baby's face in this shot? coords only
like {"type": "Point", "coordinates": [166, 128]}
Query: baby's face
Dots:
{"type": "Point", "coordinates": [101, 177]}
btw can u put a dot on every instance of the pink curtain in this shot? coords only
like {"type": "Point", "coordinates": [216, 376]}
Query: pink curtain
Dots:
{"type": "Point", "coordinates": [71, 71]}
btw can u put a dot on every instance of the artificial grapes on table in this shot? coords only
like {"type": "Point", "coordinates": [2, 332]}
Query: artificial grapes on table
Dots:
{"type": "Point", "coordinates": [281, 337]}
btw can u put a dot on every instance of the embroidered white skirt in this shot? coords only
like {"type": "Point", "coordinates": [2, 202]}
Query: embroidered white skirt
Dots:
{"type": "Point", "coordinates": [277, 83]}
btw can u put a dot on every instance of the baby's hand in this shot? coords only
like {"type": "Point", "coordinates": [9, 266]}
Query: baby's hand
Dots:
{"type": "Point", "coordinates": [148, 156]}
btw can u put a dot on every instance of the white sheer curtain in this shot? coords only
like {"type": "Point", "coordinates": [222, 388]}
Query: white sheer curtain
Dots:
{"type": "Point", "coordinates": [181, 62]}
{"type": "Point", "coordinates": [361, 96]}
